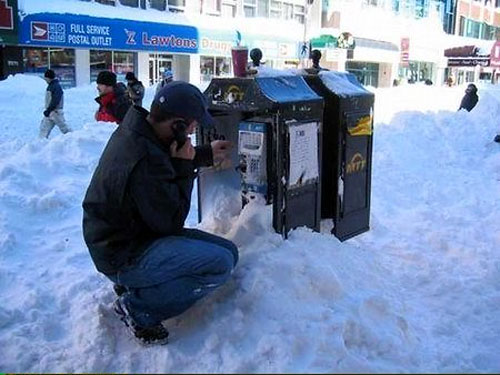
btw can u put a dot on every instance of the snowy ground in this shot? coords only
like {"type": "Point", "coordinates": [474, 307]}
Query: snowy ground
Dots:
{"type": "Point", "coordinates": [420, 292]}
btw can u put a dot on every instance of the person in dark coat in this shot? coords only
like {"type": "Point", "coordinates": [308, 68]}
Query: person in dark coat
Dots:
{"type": "Point", "coordinates": [135, 89]}
{"type": "Point", "coordinates": [470, 98]}
{"type": "Point", "coordinates": [53, 114]}
{"type": "Point", "coordinates": [168, 77]}
{"type": "Point", "coordinates": [113, 99]}
{"type": "Point", "coordinates": [135, 208]}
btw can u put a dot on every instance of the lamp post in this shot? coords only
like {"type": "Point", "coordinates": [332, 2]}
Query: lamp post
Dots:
{"type": "Point", "coordinates": [305, 46]}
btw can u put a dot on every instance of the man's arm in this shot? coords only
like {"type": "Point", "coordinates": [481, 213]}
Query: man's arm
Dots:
{"type": "Point", "coordinates": [162, 193]}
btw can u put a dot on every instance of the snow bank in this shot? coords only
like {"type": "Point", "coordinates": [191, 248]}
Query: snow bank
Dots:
{"type": "Point", "coordinates": [418, 293]}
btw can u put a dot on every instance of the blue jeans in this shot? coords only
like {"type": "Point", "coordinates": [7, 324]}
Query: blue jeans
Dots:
{"type": "Point", "coordinates": [173, 273]}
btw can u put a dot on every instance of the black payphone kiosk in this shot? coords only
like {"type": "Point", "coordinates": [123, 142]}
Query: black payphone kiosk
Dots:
{"type": "Point", "coordinates": [347, 150]}
{"type": "Point", "coordinates": [275, 124]}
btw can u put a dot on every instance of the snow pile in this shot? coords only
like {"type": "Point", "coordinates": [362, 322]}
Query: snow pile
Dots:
{"type": "Point", "coordinates": [418, 293]}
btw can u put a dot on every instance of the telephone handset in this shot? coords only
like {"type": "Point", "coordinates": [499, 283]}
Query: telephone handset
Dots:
{"type": "Point", "coordinates": [179, 128]}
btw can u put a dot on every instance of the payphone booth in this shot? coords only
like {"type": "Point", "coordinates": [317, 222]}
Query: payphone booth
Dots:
{"type": "Point", "coordinates": [275, 125]}
{"type": "Point", "coordinates": [347, 150]}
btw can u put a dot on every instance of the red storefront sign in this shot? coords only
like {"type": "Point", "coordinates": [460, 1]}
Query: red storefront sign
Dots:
{"type": "Point", "coordinates": [495, 55]}
{"type": "Point", "coordinates": [6, 16]}
{"type": "Point", "coordinates": [405, 51]}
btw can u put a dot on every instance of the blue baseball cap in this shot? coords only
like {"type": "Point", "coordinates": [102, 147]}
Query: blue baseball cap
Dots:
{"type": "Point", "coordinates": [184, 100]}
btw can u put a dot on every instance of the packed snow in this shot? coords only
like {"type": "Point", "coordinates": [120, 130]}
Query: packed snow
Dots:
{"type": "Point", "coordinates": [419, 292]}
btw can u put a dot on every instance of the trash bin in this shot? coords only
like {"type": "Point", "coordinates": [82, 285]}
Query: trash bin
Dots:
{"type": "Point", "coordinates": [347, 150]}
{"type": "Point", "coordinates": [275, 124]}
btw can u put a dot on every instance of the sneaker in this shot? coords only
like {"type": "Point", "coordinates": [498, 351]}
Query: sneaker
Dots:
{"type": "Point", "coordinates": [119, 289]}
{"type": "Point", "coordinates": [497, 138]}
{"type": "Point", "coordinates": [156, 335]}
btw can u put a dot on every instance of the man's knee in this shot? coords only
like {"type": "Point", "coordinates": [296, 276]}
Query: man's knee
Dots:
{"type": "Point", "coordinates": [225, 260]}
{"type": "Point", "coordinates": [234, 252]}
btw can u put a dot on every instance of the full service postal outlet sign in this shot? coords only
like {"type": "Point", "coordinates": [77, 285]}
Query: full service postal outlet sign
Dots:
{"type": "Point", "coordinates": [75, 31]}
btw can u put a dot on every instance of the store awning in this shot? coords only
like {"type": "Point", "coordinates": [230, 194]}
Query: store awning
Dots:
{"type": "Point", "coordinates": [463, 51]}
{"type": "Point", "coordinates": [375, 44]}
{"type": "Point", "coordinates": [324, 41]}
{"type": "Point", "coordinates": [467, 56]}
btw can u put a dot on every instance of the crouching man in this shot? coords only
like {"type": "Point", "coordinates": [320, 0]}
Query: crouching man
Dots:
{"type": "Point", "coordinates": [135, 208]}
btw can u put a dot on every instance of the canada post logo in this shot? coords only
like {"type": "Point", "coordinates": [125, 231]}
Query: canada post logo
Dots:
{"type": "Point", "coordinates": [48, 32]}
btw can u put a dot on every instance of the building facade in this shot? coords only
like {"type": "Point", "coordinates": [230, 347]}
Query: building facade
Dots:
{"type": "Point", "coordinates": [191, 38]}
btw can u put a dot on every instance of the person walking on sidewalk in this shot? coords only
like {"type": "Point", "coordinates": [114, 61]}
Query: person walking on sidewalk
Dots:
{"type": "Point", "coordinates": [135, 89]}
{"type": "Point", "coordinates": [167, 77]}
{"type": "Point", "coordinates": [135, 208]}
{"type": "Point", "coordinates": [54, 102]}
{"type": "Point", "coordinates": [113, 99]}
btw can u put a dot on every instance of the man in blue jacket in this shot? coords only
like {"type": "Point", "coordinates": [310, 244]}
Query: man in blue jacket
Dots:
{"type": "Point", "coordinates": [54, 101]}
{"type": "Point", "coordinates": [135, 208]}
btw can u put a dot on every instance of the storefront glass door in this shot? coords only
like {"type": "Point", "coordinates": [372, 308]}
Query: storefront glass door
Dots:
{"type": "Point", "coordinates": [158, 63]}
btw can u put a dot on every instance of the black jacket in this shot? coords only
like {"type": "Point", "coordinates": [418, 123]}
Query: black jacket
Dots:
{"type": "Point", "coordinates": [469, 101]}
{"type": "Point", "coordinates": [136, 92]}
{"type": "Point", "coordinates": [54, 99]}
{"type": "Point", "coordinates": [138, 193]}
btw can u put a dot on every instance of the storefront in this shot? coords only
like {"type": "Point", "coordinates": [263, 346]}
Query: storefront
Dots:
{"type": "Point", "coordinates": [10, 57]}
{"type": "Point", "coordinates": [60, 60]}
{"type": "Point", "coordinates": [78, 47]}
{"type": "Point", "coordinates": [417, 71]}
{"type": "Point", "coordinates": [215, 51]}
{"type": "Point", "coordinates": [158, 64]}
{"type": "Point", "coordinates": [374, 62]}
{"type": "Point", "coordinates": [468, 64]}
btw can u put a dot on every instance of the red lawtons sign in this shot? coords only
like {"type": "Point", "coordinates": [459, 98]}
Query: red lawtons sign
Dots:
{"type": "Point", "coordinates": [6, 16]}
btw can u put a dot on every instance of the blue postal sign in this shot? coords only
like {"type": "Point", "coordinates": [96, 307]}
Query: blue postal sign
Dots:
{"type": "Point", "coordinates": [77, 31]}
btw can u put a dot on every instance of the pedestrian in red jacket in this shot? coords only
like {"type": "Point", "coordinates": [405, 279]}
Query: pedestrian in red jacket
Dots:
{"type": "Point", "coordinates": [113, 99]}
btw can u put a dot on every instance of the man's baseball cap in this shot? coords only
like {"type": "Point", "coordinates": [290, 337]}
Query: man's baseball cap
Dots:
{"type": "Point", "coordinates": [184, 100]}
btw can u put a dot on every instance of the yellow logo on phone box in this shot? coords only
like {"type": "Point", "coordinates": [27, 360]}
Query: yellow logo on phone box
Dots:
{"type": "Point", "coordinates": [234, 94]}
{"type": "Point", "coordinates": [363, 127]}
{"type": "Point", "coordinates": [356, 164]}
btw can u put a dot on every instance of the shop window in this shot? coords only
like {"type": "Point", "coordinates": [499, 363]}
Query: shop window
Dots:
{"type": "Point", "coordinates": [469, 76]}
{"type": "Point", "coordinates": [263, 8]}
{"type": "Point", "coordinates": [288, 11]}
{"type": "Point", "coordinates": [130, 3]}
{"type": "Point", "coordinates": [99, 61]}
{"type": "Point", "coordinates": [214, 67]}
{"type": "Point", "coordinates": [299, 13]}
{"type": "Point", "coordinates": [486, 77]}
{"type": "Point", "coordinates": [212, 7]}
{"type": "Point", "coordinates": [366, 73]}
{"type": "Point", "coordinates": [62, 61]}
{"type": "Point", "coordinates": [36, 60]}
{"type": "Point", "coordinates": [176, 5]}
{"type": "Point", "coordinates": [249, 8]}
{"type": "Point", "coordinates": [222, 67]}
{"type": "Point", "coordinates": [497, 3]}
{"type": "Point", "coordinates": [158, 4]}
{"type": "Point", "coordinates": [228, 9]}
{"type": "Point", "coordinates": [275, 9]}
{"type": "Point", "coordinates": [123, 62]}
{"type": "Point", "coordinates": [395, 6]}
{"type": "Point", "coordinates": [118, 62]}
